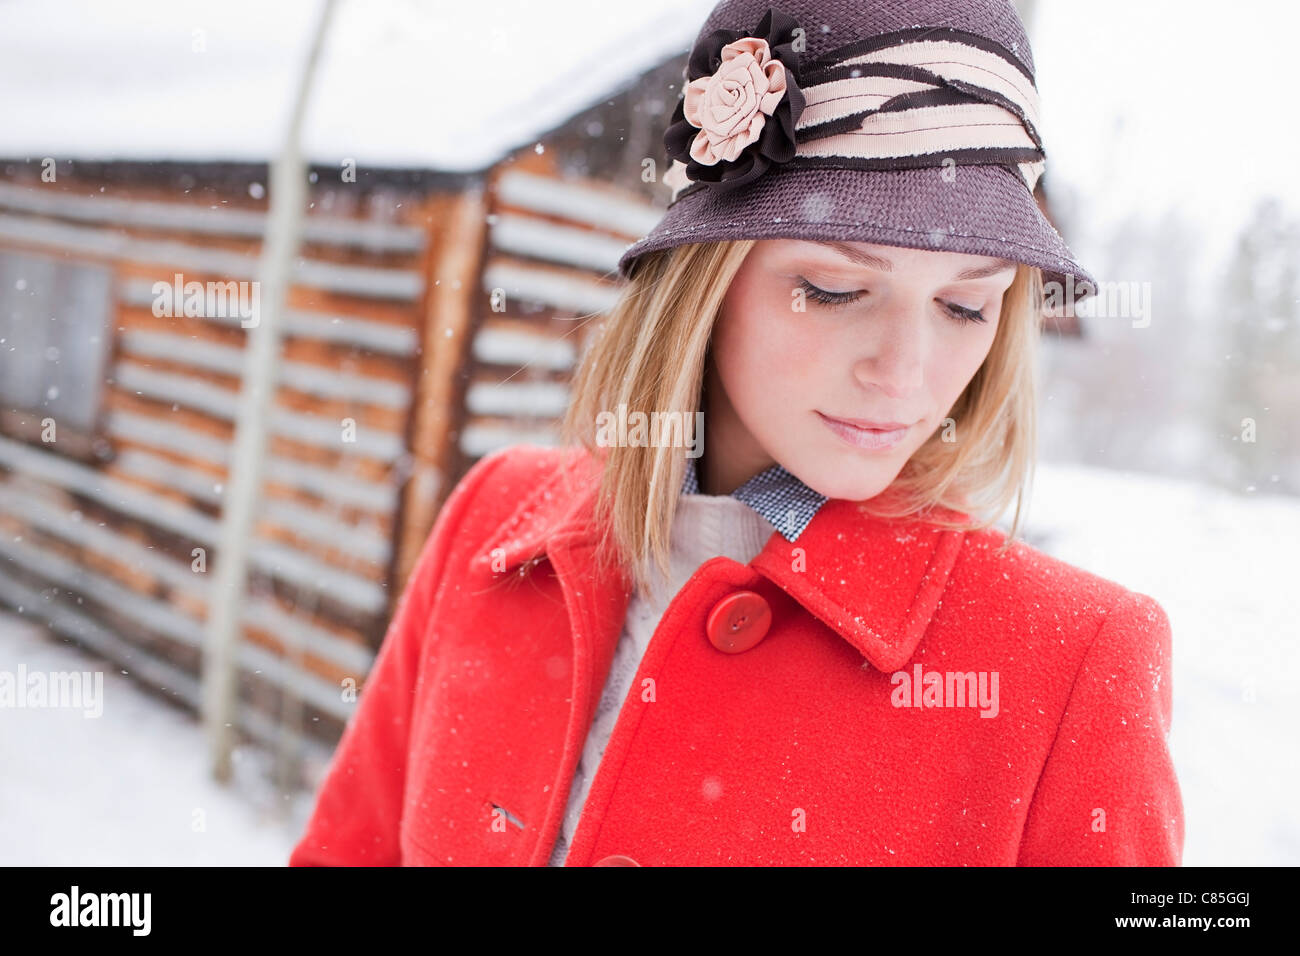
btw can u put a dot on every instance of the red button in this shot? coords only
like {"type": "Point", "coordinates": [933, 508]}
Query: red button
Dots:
{"type": "Point", "coordinates": [739, 621]}
{"type": "Point", "coordinates": [616, 860]}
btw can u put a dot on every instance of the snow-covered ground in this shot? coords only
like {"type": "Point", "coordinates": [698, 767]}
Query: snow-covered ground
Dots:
{"type": "Point", "coordinates": [127, 787]}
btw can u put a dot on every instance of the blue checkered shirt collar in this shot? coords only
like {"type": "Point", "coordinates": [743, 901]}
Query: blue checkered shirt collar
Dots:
{"type": "Point", "coordinates": [785, 501]}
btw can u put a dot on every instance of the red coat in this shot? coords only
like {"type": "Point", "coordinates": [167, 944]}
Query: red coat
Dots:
{"type": "Point", "coordinates": [795, 751]}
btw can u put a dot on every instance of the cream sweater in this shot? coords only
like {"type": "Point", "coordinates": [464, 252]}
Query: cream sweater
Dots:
{"type": "Point", "coordinates": [704, 527]}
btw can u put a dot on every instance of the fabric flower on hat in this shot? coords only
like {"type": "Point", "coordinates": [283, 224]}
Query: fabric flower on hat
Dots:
{"type": "Point", "coordinates": [737, 114]}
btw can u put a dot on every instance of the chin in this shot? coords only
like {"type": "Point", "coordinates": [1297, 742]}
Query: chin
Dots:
{"type": "Point", "coordinates": [853, 482]}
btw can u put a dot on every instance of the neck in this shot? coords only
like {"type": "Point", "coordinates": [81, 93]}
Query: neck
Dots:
{"type": "Point", "coordinates": [732, 456]}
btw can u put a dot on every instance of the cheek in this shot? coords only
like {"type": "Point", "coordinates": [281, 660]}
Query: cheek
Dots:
{"type": "Point", "coordinates": [953, 365]}
{"type": "Point", "coordinates": [763, 356]}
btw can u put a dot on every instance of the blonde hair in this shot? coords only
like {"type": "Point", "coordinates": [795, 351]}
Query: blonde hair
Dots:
{"type": "Point", "coordinates": [650, 352]}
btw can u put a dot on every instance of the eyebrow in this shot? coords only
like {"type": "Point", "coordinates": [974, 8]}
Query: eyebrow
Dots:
{"type": "Point", "coordinates": [884, 265]}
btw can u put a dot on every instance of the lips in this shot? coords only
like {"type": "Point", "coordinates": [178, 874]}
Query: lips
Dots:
{"type": "Point", "coordinates": [860, 433]}
{"type": "Point", "coordinates": [869, 426]}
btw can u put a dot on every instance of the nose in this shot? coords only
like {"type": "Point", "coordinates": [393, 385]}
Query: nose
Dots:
{"type": "Point", "coordinates": [894, 361]}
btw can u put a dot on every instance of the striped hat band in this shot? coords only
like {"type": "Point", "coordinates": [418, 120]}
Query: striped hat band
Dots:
{"type": "Point", "coordinates": [929, 96]}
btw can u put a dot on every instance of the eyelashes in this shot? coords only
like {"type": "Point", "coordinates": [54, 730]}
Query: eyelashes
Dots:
{"type": "Point", "coordinates": [964, 315]}
{"type": "Point", "coordinates": [827, 298]}
{"type": "Point", "coordinates": [834, 299]}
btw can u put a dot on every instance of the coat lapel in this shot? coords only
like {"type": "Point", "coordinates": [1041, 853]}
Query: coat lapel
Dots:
{"type": "Point", "coordinates": [557, 522]}
{"type": "Point", "coordinates": [875, 582]}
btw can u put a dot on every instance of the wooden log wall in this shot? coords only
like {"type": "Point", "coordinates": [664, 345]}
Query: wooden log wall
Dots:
{"type": "Point", "coordinates": [550, 268]}
{"type": "Point", "coordinates": [425, 329]}
{"type": "Point", "coordinates": [111, 546]}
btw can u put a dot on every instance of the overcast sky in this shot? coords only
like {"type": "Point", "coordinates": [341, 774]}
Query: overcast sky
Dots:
{"type": "Point", "coordinates": [1153, 105]}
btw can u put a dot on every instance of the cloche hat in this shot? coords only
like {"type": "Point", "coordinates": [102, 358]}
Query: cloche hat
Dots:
{"type": "Point", "coordinates": [902, 122]}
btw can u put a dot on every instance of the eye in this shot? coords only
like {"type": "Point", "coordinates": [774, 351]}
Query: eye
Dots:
{"type": "Point", "coordinates": [828, 298]}
{"type": "Point", "coordinates": [964, 315]}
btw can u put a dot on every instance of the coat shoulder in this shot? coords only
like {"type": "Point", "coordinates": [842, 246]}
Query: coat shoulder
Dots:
{"type": "Point", "coordinates": [506, 482]}
{"type": "Point", "coordinates": [1041, 588]}
{"type": "Point", "coordinates": [516, 470]}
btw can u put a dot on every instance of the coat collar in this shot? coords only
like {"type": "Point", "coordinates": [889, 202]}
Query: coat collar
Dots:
{"type": "Point", "coordinates": [876, 582]}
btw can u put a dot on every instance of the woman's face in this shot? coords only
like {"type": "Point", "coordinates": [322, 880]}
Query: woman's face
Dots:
{"type": "Point", "coordinates": [838, 360]}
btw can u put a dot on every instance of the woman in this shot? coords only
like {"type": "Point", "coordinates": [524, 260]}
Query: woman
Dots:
{"type": "Point", "coordinates": [784, 638]}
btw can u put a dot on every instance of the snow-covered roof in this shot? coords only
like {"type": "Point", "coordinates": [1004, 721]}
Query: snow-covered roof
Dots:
{"type": "Point", "coordinates": [425, 84]}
